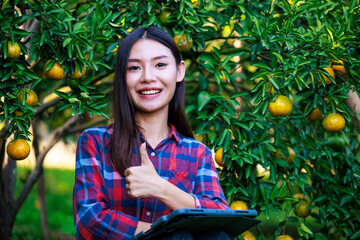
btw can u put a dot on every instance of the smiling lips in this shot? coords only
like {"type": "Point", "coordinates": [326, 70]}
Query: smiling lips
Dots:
{"type": "Point", "coordinates": [150, 92]}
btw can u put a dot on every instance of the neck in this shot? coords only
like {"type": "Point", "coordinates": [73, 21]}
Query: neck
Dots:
{"type": "Point", "coordinates": [153, 126]}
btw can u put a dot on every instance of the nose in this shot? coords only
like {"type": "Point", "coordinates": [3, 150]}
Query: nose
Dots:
{"type": "Point", "coordinates": [148, 75]}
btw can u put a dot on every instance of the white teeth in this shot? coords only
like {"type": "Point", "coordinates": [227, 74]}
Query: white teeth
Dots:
{"type": "Point", "coordinates": [149, 92]}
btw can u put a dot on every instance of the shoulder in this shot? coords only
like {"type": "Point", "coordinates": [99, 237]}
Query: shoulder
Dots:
{"type": "Point", "coordinates": [194, 144]}
{"type": "Point", "coordinates": [97, 133]}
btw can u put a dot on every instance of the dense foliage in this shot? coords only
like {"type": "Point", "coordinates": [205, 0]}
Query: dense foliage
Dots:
{"type": "Point", "coordinates": [241, 55]}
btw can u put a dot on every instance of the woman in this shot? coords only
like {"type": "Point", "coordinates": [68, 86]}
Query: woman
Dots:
{"type": "Point", "coordinates": [147, 162]}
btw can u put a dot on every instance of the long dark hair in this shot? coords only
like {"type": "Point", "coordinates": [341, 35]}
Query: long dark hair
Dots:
{"type": "Point", "coordinates": [125, 132]}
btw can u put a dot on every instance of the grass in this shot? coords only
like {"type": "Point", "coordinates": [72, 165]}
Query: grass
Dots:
{"type": "Point", "coordinates": [58, 185]}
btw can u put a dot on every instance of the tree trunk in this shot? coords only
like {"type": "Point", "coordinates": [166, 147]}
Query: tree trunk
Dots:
{"type": "Point", "coordinates": [8, 208]}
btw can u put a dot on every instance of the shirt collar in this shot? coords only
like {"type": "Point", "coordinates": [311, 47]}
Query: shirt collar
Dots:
{"type": "Point", "coordinates": [174, 133]}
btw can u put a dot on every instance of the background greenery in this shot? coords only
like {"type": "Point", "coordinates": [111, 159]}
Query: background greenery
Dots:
{"type": "Point", "coordinates": [242, 55]}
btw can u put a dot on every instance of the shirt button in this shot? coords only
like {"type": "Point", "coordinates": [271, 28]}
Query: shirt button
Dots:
{"type": "Point", "coordinates": [152, 154]}
{"type": "Point", "coordinates": [148, 213]}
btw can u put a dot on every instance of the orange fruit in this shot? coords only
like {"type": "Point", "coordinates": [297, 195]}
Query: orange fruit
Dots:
{"type": "Point", "coordinates": [301, 209]}
{"type": "Point", "coordinates": [13, 51]}
{"type": "Point", "coordinates": [289, 158]}
{"type": "Point", "coordinates": [301, 196]}
{"type": "Point", "coordinates": [333, 122]}
{"type": "Point", "coordinates": [247, 235]}
{"type": "Point", "coordinates": [56, 72]}
{"type": "Point", "coordinates": [338, 143]}
{"type": "Point", "coordinates": [315, 114]}
{"type": "Point", "coordinates": [76, 74]}
{"type": "Point", "coordinates": [238, 205]}
{"type": "Point", "coordinates": [281, 106]}
{"type": "Point", "coordinates": [219, 158]}
{"type": "Point", "coordinates": [183, 42]}
{"type": "Point", "coordinates": [338, 67]}
{"type": "Point", "coordinates": [262, 173]}
{"type": "Point", "coordinates": [18, 149]}
{"type": "Point", "coordinates": [332, 74]}
{"type": "Point", "coordinates": [166, 17]}
{"type": "Point", "coordinates": [284, 237]}
{"type": "Point", "coordinates": [31, 97]}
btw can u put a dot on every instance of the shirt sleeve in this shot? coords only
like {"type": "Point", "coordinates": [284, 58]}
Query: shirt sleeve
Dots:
{"type": "Point", "coordinates": [92, 217]}
{"type": "Point", "coordinates": [208, 193]}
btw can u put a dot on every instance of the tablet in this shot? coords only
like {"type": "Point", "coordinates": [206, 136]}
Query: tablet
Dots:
{"type": "Point", "coordinates": [196, 220]}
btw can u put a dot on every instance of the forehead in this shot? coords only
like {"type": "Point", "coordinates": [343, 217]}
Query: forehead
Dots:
{"type": "Point", "coordinates": [149, 48]}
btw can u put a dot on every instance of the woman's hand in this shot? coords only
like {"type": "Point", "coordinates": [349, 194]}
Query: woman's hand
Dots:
{"type": "Point", "coordinates": [143, 181]}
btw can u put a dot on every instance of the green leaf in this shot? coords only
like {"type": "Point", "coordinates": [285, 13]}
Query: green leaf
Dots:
{"type": "Point", "coordinates": [62, 94]}
{"type": "Point", "coordinates": [203, 99]}
{"type": "Point", "coordinates": [305, 228]}
{"type": "Point", "coordinates": [278, 56]}
{"type": "Point", "coordinates": [67, 41]}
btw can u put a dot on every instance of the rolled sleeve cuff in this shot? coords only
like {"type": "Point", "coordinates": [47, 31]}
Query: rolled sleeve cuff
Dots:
{"type": "Point", "coordinates": [197, 201]}
{"type": "Point", "coordinates": [216, 203]}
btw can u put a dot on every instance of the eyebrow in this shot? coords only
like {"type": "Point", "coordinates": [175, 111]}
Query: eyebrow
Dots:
{"type": "Point", "coordinates": [155, 58]}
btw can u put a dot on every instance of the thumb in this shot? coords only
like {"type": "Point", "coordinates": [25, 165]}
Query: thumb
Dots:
{"type": "Point", "coordinates": [145, 160]}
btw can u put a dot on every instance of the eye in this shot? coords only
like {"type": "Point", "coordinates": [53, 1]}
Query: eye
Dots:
{"type": "Point", "coordinates": [161, 65]}
{"type": "Point", "coordinates": [132, 68]}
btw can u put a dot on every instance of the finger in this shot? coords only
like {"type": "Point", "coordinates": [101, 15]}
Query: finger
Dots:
{"type": "Point", "coordinates": [127, 172]}
{"type": "Point", "coordinates": [145, 160]}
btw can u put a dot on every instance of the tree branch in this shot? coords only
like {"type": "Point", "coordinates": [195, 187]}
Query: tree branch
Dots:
{"type": "Point", "coordinates": [57, 134]}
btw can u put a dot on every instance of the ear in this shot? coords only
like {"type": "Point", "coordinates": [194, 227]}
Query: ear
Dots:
{"type": "Point", "coordinates": [181, 68]}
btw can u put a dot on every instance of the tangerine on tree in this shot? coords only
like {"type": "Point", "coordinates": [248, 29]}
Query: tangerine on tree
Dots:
{"type": "Point", "coordinates": [13, 51]}
{"type": "Point", "coordinates": [338, 143]}
{"type": "Point", "coordinates": [239, 205]}
{"type": "Point", "coordinates": [315, 114]}
{"type": "Point", "coordinates": [31, 97]}
{"type": "Point", "coordinates": [247, 235]}
{"type": "Point", "coordinates": [166, 17]}
{"type": "Point", "coordinates": [76, 74]}
{"type": "Point", "coordinates": [262, 173]}
{"type": "Point", "coordinates": [284, 237]}
{"type": "Point", "coordinates": [219, 158]}
{"type": "Point", "coordinates": [183, 43]}
{"type": "Point", "coordinates": [281, 106]}
{"type": "Point", "coordinates": [18, 149]}
{"type": "Point", "coordinates": [56, 72]}
{"type": "Point", "coordinates": [301, 196]}
{"type": "Point", "coordinates": [338, 67]}
{"type": "Point", "coordinates": [332, 74]}
{"type": "Point", "coordinates": [289, 158]}
{"type": "Point", "coordinates": [301, 209]}
{"type": "Point", "coordinates": [333, 122]}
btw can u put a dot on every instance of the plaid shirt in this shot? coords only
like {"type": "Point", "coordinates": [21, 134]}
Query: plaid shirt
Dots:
{"type": "Point", "coordinates": [102, 207]}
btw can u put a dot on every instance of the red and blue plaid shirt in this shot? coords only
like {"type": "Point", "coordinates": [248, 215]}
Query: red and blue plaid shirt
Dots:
{"type": "Point", "coordinates": [102, 207]}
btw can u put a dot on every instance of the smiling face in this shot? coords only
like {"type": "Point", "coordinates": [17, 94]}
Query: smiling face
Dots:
{"type": "Point", "coordinates": [151, 76]}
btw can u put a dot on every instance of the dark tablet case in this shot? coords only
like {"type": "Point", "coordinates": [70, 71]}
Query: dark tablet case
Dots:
{"type": "Point", "coordinates": [197, 220]}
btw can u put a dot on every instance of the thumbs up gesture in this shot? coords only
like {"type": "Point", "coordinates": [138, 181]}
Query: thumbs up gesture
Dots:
{"type": "Point", "coordinates": [143, 181]}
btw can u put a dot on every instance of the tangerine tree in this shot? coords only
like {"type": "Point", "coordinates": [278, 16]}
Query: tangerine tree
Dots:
{"type": "Point", "coordinates": [257, 73]}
